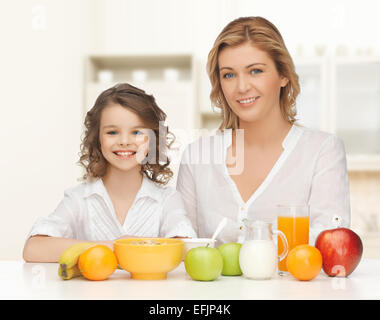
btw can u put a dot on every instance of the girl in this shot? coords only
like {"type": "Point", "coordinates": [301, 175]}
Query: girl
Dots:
{"type": "Point", "coordinates": [123, 195]}
{"type": "Point", "coordinates": [276, 162]}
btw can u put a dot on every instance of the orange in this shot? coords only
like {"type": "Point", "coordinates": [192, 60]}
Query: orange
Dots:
{"type": "Point", "coordinates": [304, 262]}
{"type": "Point", "coordinates": [97, 262]}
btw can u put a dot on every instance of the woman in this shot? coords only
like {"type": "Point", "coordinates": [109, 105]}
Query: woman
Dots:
{"type": "Point", "coordinates": [260, 157]}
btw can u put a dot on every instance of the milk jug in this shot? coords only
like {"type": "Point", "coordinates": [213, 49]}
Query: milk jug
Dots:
{"type": "Point", "coordinates": [258, 254]}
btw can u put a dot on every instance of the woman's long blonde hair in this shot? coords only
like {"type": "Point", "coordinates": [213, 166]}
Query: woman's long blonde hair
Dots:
{"type": "Point", "coordinates": [265, 36]}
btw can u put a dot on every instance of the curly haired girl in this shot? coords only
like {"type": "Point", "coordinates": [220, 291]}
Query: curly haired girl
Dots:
{"type": "Point", "coordinates": [124, 154]}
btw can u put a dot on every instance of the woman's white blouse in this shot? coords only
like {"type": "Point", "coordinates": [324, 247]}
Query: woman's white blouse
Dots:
{"type": "Point", "coordinates": [311, 171]}
{"type": "Point", "coordinates": [87, 213]}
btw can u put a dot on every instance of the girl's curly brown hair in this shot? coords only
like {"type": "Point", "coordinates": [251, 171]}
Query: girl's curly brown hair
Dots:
{"type": "Point", "coordinates": [156, 165]}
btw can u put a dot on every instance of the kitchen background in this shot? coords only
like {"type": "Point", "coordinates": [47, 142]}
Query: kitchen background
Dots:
{"type": "Point", "coordinates": [57, 55]}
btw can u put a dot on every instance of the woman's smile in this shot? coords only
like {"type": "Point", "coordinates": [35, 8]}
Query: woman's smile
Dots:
{"type": "Point", "coordinates": [250, 82]}
{"type": "Point", "coordinates": [247, 102]}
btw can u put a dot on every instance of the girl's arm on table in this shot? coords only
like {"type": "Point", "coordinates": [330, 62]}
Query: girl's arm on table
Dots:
{"type": "Point", "coordinates": [42, 248]}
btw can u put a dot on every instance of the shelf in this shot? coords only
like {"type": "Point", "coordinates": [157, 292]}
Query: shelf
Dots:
{"type": "Point", "coordinates": [155, 87]}
{"type": "Point", "coordinates": [371, 244]}
{"type": "Point", "coordinates": [211, 120]}
{"type": "Point", "coordinates": [356, 60]}
{"type": "Point", "coordinates": [356, 91]}
{"type": "Point", "coordinates": [145, 60]}
{"type": "Point", "coordinates": [212, 113]}
{"type": "Point", "coordinates": [362, 162]}
{"type": "Point", "coordinates": [122, 67]}
{"type": "Point", "coordinates": [309, 61]}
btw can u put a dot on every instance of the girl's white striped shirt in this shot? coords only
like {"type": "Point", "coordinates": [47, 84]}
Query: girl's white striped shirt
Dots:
{"type": "Point", "coordinates": [87, 213]}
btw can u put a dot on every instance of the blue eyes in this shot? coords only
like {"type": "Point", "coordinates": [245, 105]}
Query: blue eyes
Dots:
{"type": "Point", "coordinates": [230, 75]}
{"type": "Point", "coordinates": [135, 132]}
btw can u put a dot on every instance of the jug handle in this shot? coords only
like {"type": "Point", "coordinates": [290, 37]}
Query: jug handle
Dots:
{"type": "Point", "coordinates": [285, 242]}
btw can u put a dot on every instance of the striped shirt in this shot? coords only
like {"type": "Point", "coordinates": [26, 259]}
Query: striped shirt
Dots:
{"type": "Point", "coordinates": [87, 213]}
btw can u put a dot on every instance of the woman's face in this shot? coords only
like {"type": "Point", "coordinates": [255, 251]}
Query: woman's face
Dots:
{"type": "Point", "coordinates": [250, 82]}
{"type": "Point", "coordinates": [123, 138]}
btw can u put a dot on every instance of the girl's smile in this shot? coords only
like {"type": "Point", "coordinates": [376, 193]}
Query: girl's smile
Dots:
{"type": "Point", "coordinates": [123, 138]}
{"type": "Point", "coordinates": [124, 154]}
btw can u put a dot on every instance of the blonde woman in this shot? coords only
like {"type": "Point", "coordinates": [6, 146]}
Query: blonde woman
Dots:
{"type": "Point", "coordinates": [260, 157]}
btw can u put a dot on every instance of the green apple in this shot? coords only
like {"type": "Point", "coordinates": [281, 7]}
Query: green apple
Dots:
{"type": "Point", "coordinates": [203, 263]}
{"type": "Point", "coordinates": [230, 254]}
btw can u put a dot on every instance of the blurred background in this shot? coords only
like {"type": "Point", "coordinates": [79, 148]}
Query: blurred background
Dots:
{"type": "Point", "coordinates": [58, 55]}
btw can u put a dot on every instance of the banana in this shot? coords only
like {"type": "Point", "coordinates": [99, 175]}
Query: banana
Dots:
{"type": "Point", "coordinates": [67, 274]}
{"type": "Point", "coordinates": [70, 256]}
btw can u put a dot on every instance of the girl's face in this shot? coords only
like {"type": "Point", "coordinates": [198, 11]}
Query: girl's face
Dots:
{"type": "Point", "coordinates": [250, 82]}
{"type": "Point", "coordinates": [123, 138]}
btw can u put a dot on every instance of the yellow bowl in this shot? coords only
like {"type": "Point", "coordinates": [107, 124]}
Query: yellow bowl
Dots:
{"type": "Point", "coordinates": [147, 261]}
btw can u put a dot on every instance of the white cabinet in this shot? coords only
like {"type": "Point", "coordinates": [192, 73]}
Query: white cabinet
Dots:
{"type": "Point", "coordinates": [170, 78]}
{"type": "Point", "coordinates": [357, 110]}
{"type": "Point", "coordinates": [342, 96]}
{"type": "Point", "coordinates": [312, 101]}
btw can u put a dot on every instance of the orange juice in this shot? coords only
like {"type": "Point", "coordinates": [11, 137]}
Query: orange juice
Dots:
{"type": "Point", "coordinates": [296, 230]}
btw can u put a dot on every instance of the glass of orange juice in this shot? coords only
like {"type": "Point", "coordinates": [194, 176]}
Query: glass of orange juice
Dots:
{"type": "Point", "coordinates": [293, 221]}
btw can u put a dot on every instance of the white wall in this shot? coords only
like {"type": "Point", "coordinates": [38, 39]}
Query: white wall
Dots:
{"type": "Point", "coordinates": [42, 48]}
{"type": "Point", "coordinates": [41, 94]}
{"type": "Point", "coordinates": [171, 25]}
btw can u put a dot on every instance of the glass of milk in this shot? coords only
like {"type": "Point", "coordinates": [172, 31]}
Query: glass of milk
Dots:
{"type": "Point", "coordinates": [258, 256]}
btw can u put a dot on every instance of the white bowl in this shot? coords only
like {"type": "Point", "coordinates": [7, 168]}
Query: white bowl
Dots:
{"type": "Point", "coordinates": [197, 242]}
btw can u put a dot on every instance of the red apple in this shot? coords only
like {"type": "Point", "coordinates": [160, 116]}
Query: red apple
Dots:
{"type": "Point", "coordinates": [341, 250]}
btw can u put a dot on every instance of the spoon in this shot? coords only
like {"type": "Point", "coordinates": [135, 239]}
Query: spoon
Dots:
{"type": "Point", "coordinates": [220, 227]}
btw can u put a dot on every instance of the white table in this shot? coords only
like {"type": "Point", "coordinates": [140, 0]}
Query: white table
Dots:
{"type": "Point", "coordinates": [20, 280]}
